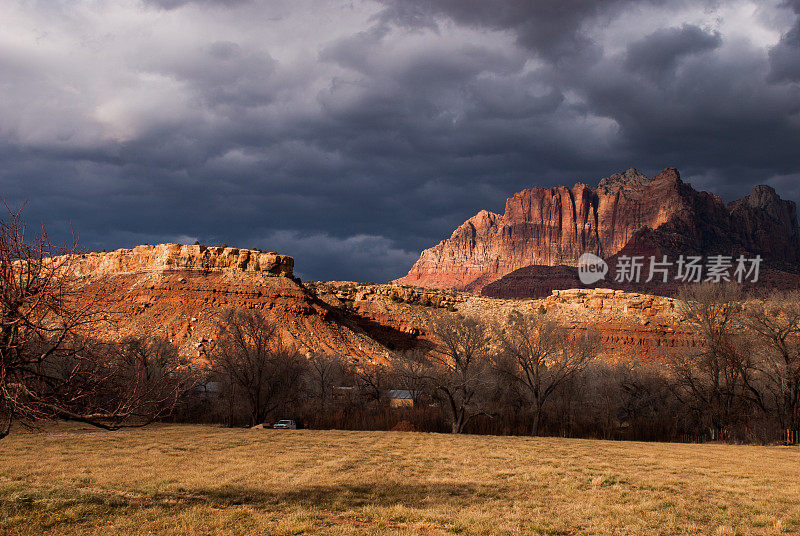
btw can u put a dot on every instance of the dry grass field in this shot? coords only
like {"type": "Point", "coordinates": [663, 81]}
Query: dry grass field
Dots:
{"type": "Point", "coordinates": [194, 480]}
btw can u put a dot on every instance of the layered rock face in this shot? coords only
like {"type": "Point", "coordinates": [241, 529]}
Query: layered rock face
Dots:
{"type": "Point", "coordinates": [631, 325]}
{"type": "Point", "coordinates": [177, 292]}
{"type": "Point", "coordinates": [178, 256]}
{"type": "Point", "coordinates": [767, 224]}
{"type": "Point", "coordinates": [554, 226]}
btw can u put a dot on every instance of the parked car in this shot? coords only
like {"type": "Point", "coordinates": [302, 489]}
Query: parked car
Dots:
{"type": "Point", "coordinates": [285, 424]}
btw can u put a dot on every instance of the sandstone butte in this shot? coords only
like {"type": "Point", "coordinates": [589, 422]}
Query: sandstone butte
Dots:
{"type": "Point", "coordinates": [176, 291]}
{"type": "Point", "coordinates": [627, 212]}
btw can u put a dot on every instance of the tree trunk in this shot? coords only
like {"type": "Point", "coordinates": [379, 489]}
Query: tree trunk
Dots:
{"type": "Point", "coordinates": [459, 422]}
{"type": "Point", "coordinates": [258, 415]}
{"type": "Point", "coordinates": [6, 416]}
{"type": "Point", "coordinates": [537, 418]}
{"type": "Point", "coordinates": [231, 400]}
{"type": "Point", "coordinates": [457, 427]}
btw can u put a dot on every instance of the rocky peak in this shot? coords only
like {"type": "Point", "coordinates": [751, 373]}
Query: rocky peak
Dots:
{"type": "Point", "coordinates": [765, 199]}
{"type": "Point", "coordinates": [766, 223]}
{"type": "Point", "coordinates": [630, 177]}
{"type": "Point", "coordinates": [554, 226]}
{"type": "Point", "coordinates": [761, 196]}
{"type": "Point", "coordinates": [481, 221]}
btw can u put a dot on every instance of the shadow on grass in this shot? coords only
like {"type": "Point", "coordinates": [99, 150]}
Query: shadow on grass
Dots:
{"type": "Point", "coordinates": [333, 497]}
{"type": "Point", "coordinates": [350, 495]}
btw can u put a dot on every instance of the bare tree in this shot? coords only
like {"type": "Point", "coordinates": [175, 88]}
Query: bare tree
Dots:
{"type": "Point", "coordinates": [648, 406]}
{"type": "Point", "coordinates": [371, 380]}
{"type": "Point", "coordinates": [249, 354]}
{"type": "Point", "coordinates": [774, 324]}
{"type": "Point", "coordinates": [409, 371]}
{"type": "Point", "coordinates": [110, 384]}
{"type": "Point", "coordinates": [459, 366]}
{"type": "Point", "coordinates": [50, 363]}
{"type": "Point", "coordinates": [717, 380]}
{"type": "Point", "coordinates": [150, 376]}
{"type": "Point", "coordinates": [541, 356]}
{"type": "Point", "coordinates": [323, 373]}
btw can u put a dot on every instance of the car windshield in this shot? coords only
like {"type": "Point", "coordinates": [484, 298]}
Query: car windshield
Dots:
{"type": "Point", "coordinates": [284, 422]}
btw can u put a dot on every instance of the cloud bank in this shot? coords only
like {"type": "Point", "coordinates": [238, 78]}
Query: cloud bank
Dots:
{"type": "Point", "coordinates": [353, 134]}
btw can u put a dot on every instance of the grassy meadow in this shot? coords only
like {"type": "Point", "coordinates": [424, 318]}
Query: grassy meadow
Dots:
{"type": "Point", "coordinates": [193, 480]}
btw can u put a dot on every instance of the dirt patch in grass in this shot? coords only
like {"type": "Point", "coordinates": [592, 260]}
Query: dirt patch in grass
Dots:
{"type": "Point", "coordinates": [404, 426]}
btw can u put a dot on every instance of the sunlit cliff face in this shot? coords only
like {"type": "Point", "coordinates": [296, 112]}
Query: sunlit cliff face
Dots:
{"type": "Point", "coordinates": [555, 226]}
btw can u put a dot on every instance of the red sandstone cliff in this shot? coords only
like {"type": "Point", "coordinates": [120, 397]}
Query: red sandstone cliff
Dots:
{"type": "Point", "coordinates": [177, 256]}
{"type": "Point", "coordinates": [554, 226]}
{"type": "Point", "coordinates": [176, 291]}
{"type": "Point", "coordinates": [632, 326]}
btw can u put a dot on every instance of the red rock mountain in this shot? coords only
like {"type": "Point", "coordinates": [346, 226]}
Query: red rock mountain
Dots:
{"type": "Point", "coordinates": [176, 292]}
{"type": "Point", "coordinates": [626, 212]}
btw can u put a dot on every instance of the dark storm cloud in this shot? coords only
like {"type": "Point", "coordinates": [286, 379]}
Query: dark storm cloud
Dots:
{"type": "Point", "coordinates": [174, 4]}
{"type": "Point", "coordinates": [785, 56]}
{"type": "Point", "coordinates": [674, 96]}
{"type": "Point", "coordinates": [707, 112]}
{"type": "Point", "coordinates": [713, 89]}
{"type": "Point", "coordinates": [551, 27]}
{"type": "Point", "coordinates": [352, 136]}
{"type": "Point", "coordinates": [659, 52]}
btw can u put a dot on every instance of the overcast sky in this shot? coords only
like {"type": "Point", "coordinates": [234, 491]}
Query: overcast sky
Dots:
{"type": "Point", "coordinates": [353, 134]}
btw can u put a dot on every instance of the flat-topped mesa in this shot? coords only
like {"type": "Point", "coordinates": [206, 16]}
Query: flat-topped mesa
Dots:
{"type": "Point", "coordinates": [180, 257]}
{"type": "Point", "coordinates": [554, 226]}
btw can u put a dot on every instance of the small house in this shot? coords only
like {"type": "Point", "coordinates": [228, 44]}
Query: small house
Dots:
{"type": "Point", "coordinates": [400, 398]}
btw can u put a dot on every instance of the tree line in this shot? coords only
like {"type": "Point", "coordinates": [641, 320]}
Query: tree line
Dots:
{"type": "Point", "coordinates": [532, 376]}
{"type": "Point", "coordinates": [528, 375]}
